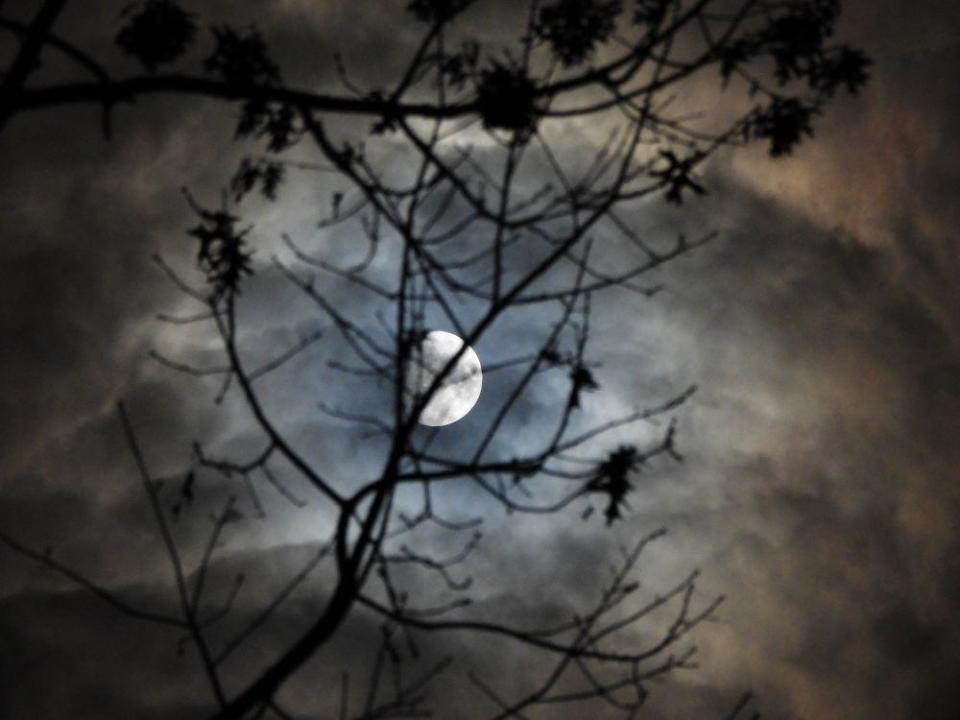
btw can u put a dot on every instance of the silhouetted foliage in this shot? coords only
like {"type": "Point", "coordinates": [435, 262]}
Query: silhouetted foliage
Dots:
{"type": "Point", "coordinates": [677, 173]}
{"type": "Point", "coordinates": [580, 379]}
{"type": "Point", "coordinates": [613, 480]}
{"type": "Point", "coordinates": [844, 66]}
{"type": "Point", "coordinates": [459, 67]}
{"type": "Point", "coordinates": [262, 173]}
{"type": "Point", "coordinates": [243, 58]}
{"type": "Point", "coordinates": [157, 32]}
{"type": "Point", "coordinates": [506, 100]}
{"type": "Point", "coordinates": [574, 28]}
{"type": "Point", "coordinates": [221, 253]}
{"type": "Point", "coordinates": [784, 122]}
{"type": "Point", "coordinates": [240, 58]}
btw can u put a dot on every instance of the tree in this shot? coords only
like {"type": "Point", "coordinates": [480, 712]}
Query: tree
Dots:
{"type": "Point", "coordinates": [479, 216]}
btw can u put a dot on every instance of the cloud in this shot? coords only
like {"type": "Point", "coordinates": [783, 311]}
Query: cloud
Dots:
{"type": "Point", "coordinates": [819, 487]}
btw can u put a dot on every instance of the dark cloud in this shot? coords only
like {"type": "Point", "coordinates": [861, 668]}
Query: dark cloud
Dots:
{"type": "Point", "coordinates": [820, 466]}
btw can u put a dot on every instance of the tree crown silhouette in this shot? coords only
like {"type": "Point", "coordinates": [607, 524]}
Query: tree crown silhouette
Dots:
{"type": "Point", "coordinates": [489, 218]}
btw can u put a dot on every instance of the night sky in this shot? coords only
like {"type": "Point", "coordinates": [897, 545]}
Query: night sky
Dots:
{"type": "Point", "coordinates": [819, 491]}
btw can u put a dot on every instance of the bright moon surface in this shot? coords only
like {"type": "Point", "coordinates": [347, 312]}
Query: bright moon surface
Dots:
{"type": "Point", "coordinates": [458, 392]}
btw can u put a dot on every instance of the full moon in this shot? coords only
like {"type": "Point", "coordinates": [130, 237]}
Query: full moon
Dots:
{"type": "Point", "coordinates": [460, 389]}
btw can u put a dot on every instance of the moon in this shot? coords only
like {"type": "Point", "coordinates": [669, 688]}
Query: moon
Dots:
{"type": "Point", "coordinates": [458, 392]}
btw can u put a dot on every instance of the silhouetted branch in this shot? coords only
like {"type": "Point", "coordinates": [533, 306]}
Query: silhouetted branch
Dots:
{"type": "Point", "coordinates": [469, 235]}
{"type": "Point", "coordinates": [47, 560]}
{"type": "Point", "coordinates": [186, 605]}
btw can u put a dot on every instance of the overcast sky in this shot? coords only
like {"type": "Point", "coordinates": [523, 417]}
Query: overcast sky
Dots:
{"type": "Point", "coordinates": [820, 491]}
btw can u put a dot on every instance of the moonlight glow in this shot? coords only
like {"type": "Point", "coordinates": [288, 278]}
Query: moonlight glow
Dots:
{"type": "Point", "coordinates": [460, 389]}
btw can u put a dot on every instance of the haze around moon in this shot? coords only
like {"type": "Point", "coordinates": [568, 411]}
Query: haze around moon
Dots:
{"type": "Point", "coordinates": [458, 392]}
